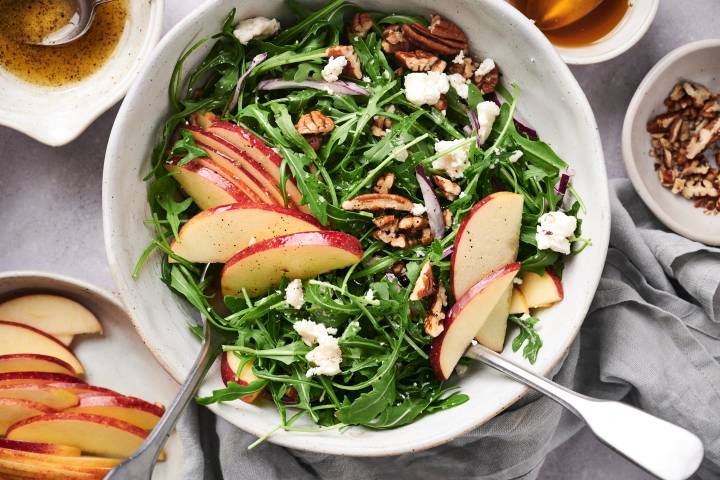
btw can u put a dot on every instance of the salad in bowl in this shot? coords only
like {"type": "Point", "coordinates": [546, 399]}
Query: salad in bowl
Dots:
{"type": "Point", "coordinates": [371, 203]}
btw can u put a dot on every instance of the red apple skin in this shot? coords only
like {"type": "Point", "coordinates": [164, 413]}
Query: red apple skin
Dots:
{"type": "Point", "coordinates": [88, 417]}
{"type": "Point", "coordinates": [228, 375]}
{"type": "Point", "coordinates": [558, 282]}
{"type": "Point", "coordinates": [46, 358]}
{"type": "Point", "coordinates": [460, 304]}
{"type": "Point", "coordinates": [83, 389]}
{"type": "Point", "coordinates": [212, 177]}
{"type": "Point", "coordinates": [120, 401]}
{"type": "Point", "coordinates": [41, 376]}
{"type": "Point", "coordinates": [36, 447]}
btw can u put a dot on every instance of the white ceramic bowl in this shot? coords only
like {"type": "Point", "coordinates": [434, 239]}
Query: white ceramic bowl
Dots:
{"type": "Point", "coordinates": [631, 28]}
{"type": "Point", "coordinates": [57, 115]}
{"type": "Point", "coordinates": [550, 99]}
{"type": "Point", "coordinates": [118, 359]}
{"type": "Point", "coordinates": [697, 62]}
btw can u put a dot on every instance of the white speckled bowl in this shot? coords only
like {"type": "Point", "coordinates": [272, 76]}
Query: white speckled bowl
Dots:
{"type": "Point", "coordinates": [550, 99]}
{"type": "Point", "coordinates": [57, 115]}
{"type": "Point", "coordinates": [697, 62]}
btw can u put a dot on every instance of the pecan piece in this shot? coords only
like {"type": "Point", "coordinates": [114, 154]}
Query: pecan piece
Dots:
{"type": "Point", "coordinates": [419, 36]}
{"type": "Point", "coordinates": [698, 93]}
{"type": "Point", "coordinates": [361, 24]}
{"type": "Point", "coordinates": [447, 218]}
{"type": "Point", "coordinates": [661, 123]}
{"type": "Point", "coordinates": [442, 103]}
{"type": "Point", "coordinates": [352, 68]}
{"type": "Point", "coordinates": [384, 183]}
{"type": "Point", "coordinates": [387, 223]}
{"type": "Point", "coordinates": [380, 124]}
{"type": "Point", "coordinates": [425, 283]}
{"type": "Point", "coordinates": [435, 317]}
{"type": "Point", "coordinates": [448, 188]}
{"type": "Point", "coordinates": [378, 201]}
{"type": "Point", "coordinates": [486, 83]}
{"type": "Point", "coordinates": [391, 238]}
{"type": "Point", "coordinates": [412, 223]}
{"type": "Point", "coordinates": [420, 61]}
{"type": "Point", "coordinates": [394, 39]}
{"type": "Point", "coordinates": [446, 29]}
{"type": "Point", "coordinates": [702, 138]}
{"type": "Point", "coordinates": [426, 237]}
{"type": "Point", "coordinates": [314, 122]}
{"type": "Point", "coordinates": [467, 68]}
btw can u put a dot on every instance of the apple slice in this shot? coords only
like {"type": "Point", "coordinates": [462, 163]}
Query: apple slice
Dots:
{"type": "Point", "coordinates": [467, 317]}
{"type": "Point", "coordinates": [41, 448]}
{"type": "Point", "coordinates": [65, 339]}
{"type": "Point", "coordinates": [17, 467]}
{"type": "Point", "coordinates": [13, 410]}
{"type": "Point", "coordinates": [20, 338]}
{"type": "Point", "coordinates": [492, 333]}
{"type": "Point", "coordinates": [37, 378]}
{"type": "Point", "coordinates": [81, 389]}
{"type": "Point", "coordinates": [60, 460]}
{"type": "Point", "coordinates": [133, 410]}
{"type": "Point", "coordinates": [215, 235]}
{"type": "Point", "coordinates": [229, 365]}
{"type": "Point", "coordinates": [53, 314]}
{"type": "Point", "coordinates": [541, 290]}
{"type": "Point", "coordinates": [262, 265]}
{"type": "Point", "coordinates": [56, 398]}
{"type": "Point", "coordinates": [92, 434]}
{"type": "Point", "coordinates": [518, 303]}
{"type": "Point", "coordinates": [488, 238]}
{"type": "Point", "coordinates": [33, 362]}
{"type": "Point", "coordinates": [206, 187]}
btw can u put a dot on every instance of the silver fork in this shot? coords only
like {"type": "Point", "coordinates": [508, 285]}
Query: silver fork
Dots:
{"type": "Point", "coordinates": [663, 449]}
{"type": "Point", "coordinates": [140, 465]}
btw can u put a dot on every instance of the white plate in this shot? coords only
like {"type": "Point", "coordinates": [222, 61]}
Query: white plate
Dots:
{"type": "Point", "coordinates": [697, 62]}
{"type": "Point", "coordinates": [550, 99]}
{"type": "Point", "coordinates": [118, 359]}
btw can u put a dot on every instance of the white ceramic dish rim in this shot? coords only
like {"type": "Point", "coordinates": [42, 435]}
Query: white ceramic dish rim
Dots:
{"type": "Point", "coordinates": [75, 128]}
{"type": "Point", "coordinates": [631, 163]}
{"type": "Point", "coordinates": [288, 439]}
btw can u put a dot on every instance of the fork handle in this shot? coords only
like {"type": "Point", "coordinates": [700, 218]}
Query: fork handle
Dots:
{"type": "Point", "coordinates": [663, 449]}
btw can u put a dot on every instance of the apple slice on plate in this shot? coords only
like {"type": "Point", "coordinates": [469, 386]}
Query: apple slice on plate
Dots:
{"type": "Point", "coordinates": [37, 378]}
{"type": "Point", "coordinates": [13, 410]}
{"type": "Point", "coordinates": [262, 265]}
{"type": "Point", "coordinates": [81, 388]}
{"type": "Point", "coordinates": [33, 362]}
{"type": "Point", "coordinates": [20, 338]}
{"type": "Point", "coordinates": [60, 460]}
{"type": "Point", "coordinates": [59, 316]}
{"type": "Point", "coordinates": [467, 317]}
{"type": "Point", "coordinates": [43, 448]}
{"type": "Point", "coordinates": [93, 434]}
{"type": "Point", "coordinates": [217, 234]}
{"type": "Point", "coordinates": [133, 410]}
{"type": "Point", "coordinates": [18, 467]}
{"type": "Point", "coordinates": [541, 290]}
{"type": "Point", "coordinates": [229, 365]}
{"type": "Point", "coordinates": [492, 333]}
{"type": "Point", "coordinates": [518, 303]}
{"type": "Point", "coordinates": [45, 394]}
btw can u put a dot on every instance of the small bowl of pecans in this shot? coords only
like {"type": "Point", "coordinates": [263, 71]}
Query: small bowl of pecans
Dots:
{"type": "Point", "coordinates": [671, 141]}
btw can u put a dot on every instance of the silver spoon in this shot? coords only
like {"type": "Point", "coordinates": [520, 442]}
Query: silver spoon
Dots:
{"type": "Point", "coordinates": [78, 25]}
{"type": "Point", "coordinates": [140, 465]}
{"type": "Point", "coordinates": [663, 449]}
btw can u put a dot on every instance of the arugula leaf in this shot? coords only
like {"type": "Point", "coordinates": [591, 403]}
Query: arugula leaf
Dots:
{"type": "Point", "coordinates": [528, 336]}
{"type": "Point", "coordinates": [233, 391]}
{"type": "Point", "coordinates": [368, 405]}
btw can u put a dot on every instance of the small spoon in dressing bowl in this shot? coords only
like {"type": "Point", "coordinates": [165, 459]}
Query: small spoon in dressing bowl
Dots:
{"type": "Point", "coordinates": [79, 24]}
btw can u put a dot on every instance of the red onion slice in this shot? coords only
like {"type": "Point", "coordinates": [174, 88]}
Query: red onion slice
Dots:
{"type": "Point", "coordinates": [432, 205]}
{"type": "Point", "coordinates": [563, 183]}
{"type": "Point", "coordinates": [475, 125]}
{"type": "Point", "coordinates": [339, 87]}
{"type": "Point", "coordinates": [448, 251]}
{"type": "Point", "coordinates": [257, 60]}
{"type": "Point", "coordinates": [519, 125]}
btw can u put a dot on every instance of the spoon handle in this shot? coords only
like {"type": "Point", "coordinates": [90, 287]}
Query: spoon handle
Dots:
{"type": "Point", "coordinates": [663, 449]}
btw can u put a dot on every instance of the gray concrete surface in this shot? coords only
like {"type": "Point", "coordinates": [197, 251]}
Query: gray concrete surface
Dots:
{"type": "Point", "coordinates": [50, 198]}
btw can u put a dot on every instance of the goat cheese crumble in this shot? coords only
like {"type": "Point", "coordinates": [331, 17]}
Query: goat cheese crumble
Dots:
{"type": "Point", "coordinates": [418, 209]}
{"type": "Point", "coordinates": [425, 88]}
{"type": "Point", "coordinates": [327, 355]}
{"type": "Point", "coordinates": [370, 297]}
{"type": "Point", "coordinates": [455, 162]}
{"type": "Point", "coordinates": [487, 112]}
{"type": "Point", "coordinates": [334, 68]}
{"type": "Point", "coordinates": [257, 27]}
{"type": "Point", "coordinates": [459, 58]}
{"type": "Point", "coordinates": [485, 67]}
{"type": "Point", "coordinates": [554, 230]}
{"type": "Point", "coordinates": [515, 156]}
{"type": "Point", "coordinates": [294, 295]}
{"type": "Point", "coordinates": [460, 84]}
{"type": "Point", "coordinates": [312, 332]}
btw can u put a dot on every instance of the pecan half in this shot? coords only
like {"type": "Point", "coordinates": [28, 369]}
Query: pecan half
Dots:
{"type": "Point", "coordinates": [422, 38]}
{"type": "Point", "coordinates": [442, 103]}
{"type": "Point", "coordinates": [412, 223]}
{"type": "Point", "coordinates": [352, 68]}
{"type": "Point", "coordinates": [467, 68]}
{"type": "Point", "coordinates": [444, 28]}
{"type": "Point", "coordinates": [448, 188]}
{"type": "Point", "coordinates": [314, 122]}
{"type": "Point", "coordinates": [425, 283]}
{"type": "Point", "coordinates": [378, 201]}
{"type": "Point", "coordinates": [361, 24]}
{"type": "Point", "coordinates": [487, 83]}
{"type": "Point", "coordinates": [384, 183]}
{"type": "Point", "coordinates": [393, 239]}
{"type": "Point", "coordinates": [394, 39]}
{"type": "Point", "coordinates": [420, 61]}
{"type": "Point", "coordinates": [435, 317]}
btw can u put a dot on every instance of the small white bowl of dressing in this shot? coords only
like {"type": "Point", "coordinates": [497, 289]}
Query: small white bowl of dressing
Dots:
{"type": "Point", "coordinates": [53, 94]}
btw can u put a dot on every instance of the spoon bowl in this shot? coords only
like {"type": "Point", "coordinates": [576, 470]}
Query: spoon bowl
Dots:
{"type": "Point", "coordinates": [79, 24]}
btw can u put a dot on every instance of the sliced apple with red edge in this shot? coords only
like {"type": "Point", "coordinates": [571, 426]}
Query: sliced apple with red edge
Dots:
{"type": "Point", "coordinates": [262, 265]}
{"type": "Point", "coordinates": [81, 389]}
{"type": "Point", "coordinates": [20, 338]}
{"type": "Point", "coordinates": [133, 410]}
{"type": "Point", "coordinates": [60, 460]}
{"type": "Point", "coordinates": [541, 290]}
{"type": "Point", "coordinates": [93, 434]}
{"type": "Point", "coordinates": [20, 467]}
{"type": "Point", "coordinates": [33, 362]}
{"type": "Point", "coordinates": [56, 315]}
{"type": "Point", "coordinates": [215, 235]}
{"type": "Point", "coordinates": [39, 447]}
{"type": "Point", "coordinates": [492, 334]}
{"type": "Point", "coordinates": [53, 397]}
{"type": "Point", "coordinates": [12, 410]}
{"type": "Point", "coordinates": [207, 187]}
{"type": "Point", "coordinates": [38, 378]}
{"type": "Point", "coordinates": [229, 365]}
{"type": "Point", "coordinates": [518, 303]}
{"type": "Point", "coordinates": [467, 317]}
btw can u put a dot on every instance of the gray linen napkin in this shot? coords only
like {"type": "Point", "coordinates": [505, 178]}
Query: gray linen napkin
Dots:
{"type": "Point", "coordinates": [651, 338]}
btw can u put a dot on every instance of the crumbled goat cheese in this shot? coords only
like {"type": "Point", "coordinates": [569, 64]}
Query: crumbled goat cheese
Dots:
{"type": "Point", "coordinates": [459, 58]}
{"type": "Point", "coordinates": [366, 79]}
{"type": "Point", "coordinates": [460, 85]}
{"type": "Point", "coordinates": [370, 298]}
{"type": "Point", "coordinates": [418, 209]}
{"type": "Point", "coordinates": [455, 162]}
{"type": "Point", "coordinates": [334, 68]}
{"type": "Point", "coordinates": [425, 88]}
{"type": "Point", "coordinates": [553, 231]}
{"type": "Point", "coordinates": [390, 109]}
{"type": "Point", "coordinates": [487, 112]}
{"type": "Point", "coordinates": [485, 67]}
{"type": "Point", "coordinates": [327, 356]}
{"type": "Point", "coordinates": [294, 294]}
{"type": "Point", "coordinates": [401, 155]}
{"type": "Point", "coordinates": [258, 27]}
{"type": "Point", "coordinates": [312, 332]}
{"type": "Point", "coordinates": [515, 156]}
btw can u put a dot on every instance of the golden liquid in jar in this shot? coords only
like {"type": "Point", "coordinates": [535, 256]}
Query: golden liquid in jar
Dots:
{"type": "Point", "coordinates": [590, 28]}
{"type": "Point", "coordinates": [31, 20]}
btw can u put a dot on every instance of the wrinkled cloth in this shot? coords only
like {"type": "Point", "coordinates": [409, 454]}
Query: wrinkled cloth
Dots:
{"type": "Point", "coordinates": [651, 338]}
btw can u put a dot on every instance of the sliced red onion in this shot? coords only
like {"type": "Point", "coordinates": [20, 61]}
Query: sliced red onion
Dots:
{"type": "Point", "coordinates": [257, 60]}
{"type": "Point", "coordinates": [448, 251]}
{"type": "Point", "coordinates": [339, 87]}
{"type": "Point", "coordinates": [563, 183]}
{"type": "Point", "coordinates": [475, 125]}
{"type": "Point", "coordinates": [432, 205]}
{"type": "Point", "coordinates": [467, 130]}
{"type": "Point", "coordinates": [519, 125]}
